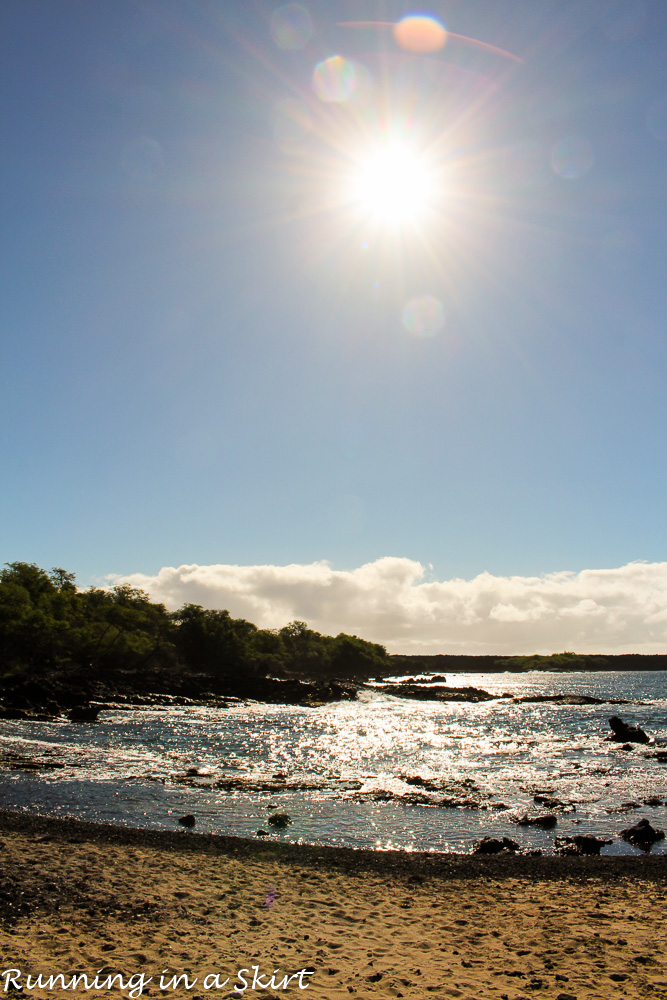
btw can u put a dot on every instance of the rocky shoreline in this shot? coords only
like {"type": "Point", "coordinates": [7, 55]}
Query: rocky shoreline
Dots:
{"type": "Point", "coordinates": [54, 700]}
{"type": "Point", "coordinates": [44, 702]}
{"type": "Point", "coordinates": [401, 864]}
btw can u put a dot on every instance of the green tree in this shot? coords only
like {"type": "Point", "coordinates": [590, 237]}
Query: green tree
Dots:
{"type": "Point", "coordinates": [305, 649]}
{"type": "Point", "coordinates": [33, 625]}
{"type": "Point", "coordinates": [354, 657]}
{"type": "Point", "coordinates": [214, 642]}
{"type": "Point", "coordinates": [62, 580]}
{"type": "Point", "coordinates": [35, 581]}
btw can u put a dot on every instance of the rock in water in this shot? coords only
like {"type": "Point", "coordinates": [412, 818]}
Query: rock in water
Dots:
{"type": "Point", "coordinates": [84, 713]}
{"type": "Point", "coordinates": [621, 732]}
{"type": "Point", "coordinates": [546, 822]}
{"type": "Point", "coordinates": [642, 835]}
{"type": "Point", "coordinates": [279, 820]}
{"type": "Point", "coordinates": [581, 843]}
{"type": "Point", "coordinates": [491, 845]}
{"type": "Point", "coordinates": [188, 820]}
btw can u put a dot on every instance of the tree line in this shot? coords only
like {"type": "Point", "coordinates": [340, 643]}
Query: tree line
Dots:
{"type": "Point", "coordinates": [49, 627]}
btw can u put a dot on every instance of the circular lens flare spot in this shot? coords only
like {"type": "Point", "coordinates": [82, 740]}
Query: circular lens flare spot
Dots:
{"type": "Point", "coordinates": [418, 33]}
{"type": "Point", "coordinates": [424, 316]}
{"type": "Point", "coordinates": [572, 157]}
{"type": "Point", "coordinates": [334, 79]}
{"type": "Point", "coordinates": [291, 27]}
{"type": "Point", "coordinates": [393, 184]}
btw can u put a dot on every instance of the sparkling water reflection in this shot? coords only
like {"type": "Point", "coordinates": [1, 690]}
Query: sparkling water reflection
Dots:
{"type": "Point", "coordinates": [372, 773]}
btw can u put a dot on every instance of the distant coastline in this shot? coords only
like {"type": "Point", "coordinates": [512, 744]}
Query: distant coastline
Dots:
{"type": "Point", "coordinates": [463, 663]}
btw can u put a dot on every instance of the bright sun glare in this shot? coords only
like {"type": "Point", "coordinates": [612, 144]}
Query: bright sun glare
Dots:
{"type": "Point", "coordinates": [393, 184]}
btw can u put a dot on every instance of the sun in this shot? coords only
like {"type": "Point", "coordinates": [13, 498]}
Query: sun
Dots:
{"type": "Point", "coordinates": [393, 184]}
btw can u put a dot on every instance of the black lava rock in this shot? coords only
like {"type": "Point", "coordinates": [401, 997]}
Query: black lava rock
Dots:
{"type": "Point", "coordinates": [581, 843]}
{"type": "Point", "coordinates": [621, 732]}
{"type": "Point", "coordinates": [642, 835]}
{"type": "Point", "coordinates": [547, 821]}
{"type": "Point", "coordinates": [84, 713]}
{"type": "Point", "coordinates": [279, 820]}
{"type": "Point", "coordinates": [491, 845]}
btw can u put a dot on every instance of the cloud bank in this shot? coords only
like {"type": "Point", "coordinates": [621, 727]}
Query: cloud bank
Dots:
{"type": "Point", "coordinates": [392, 601]}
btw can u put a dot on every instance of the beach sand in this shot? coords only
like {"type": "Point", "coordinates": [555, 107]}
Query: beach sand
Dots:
{"type": "Point", "coordinates": [77, 897]}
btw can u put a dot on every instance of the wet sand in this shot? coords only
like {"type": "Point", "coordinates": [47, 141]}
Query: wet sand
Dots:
{"type": "Point", "coordinates": [80, 897]}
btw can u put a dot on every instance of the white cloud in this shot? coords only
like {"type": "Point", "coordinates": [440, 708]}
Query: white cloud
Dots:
{"type": "Point", "coordinates": [390, 601]}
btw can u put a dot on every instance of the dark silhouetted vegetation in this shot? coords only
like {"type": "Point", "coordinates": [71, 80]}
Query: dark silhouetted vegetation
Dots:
{"type": "Point", "coordinates": [555, 661]}
{"type": "Point", "coordinates": [455, 663]}
{"type": "Point", "coordinates": [60, 645]}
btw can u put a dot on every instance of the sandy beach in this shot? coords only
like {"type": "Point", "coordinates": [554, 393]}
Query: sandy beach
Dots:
{"type": "Point", "coordinates": [131, 906]}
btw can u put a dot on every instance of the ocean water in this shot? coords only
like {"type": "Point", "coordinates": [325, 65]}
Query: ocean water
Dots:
{"type": "Point", "coordinates": [340, 771]}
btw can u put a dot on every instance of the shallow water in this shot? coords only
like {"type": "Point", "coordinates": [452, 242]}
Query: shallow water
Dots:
{"type": "Point", "coordinates": [127, 768]}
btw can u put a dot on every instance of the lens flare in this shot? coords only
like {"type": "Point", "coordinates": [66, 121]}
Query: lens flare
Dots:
{"type": "Point", "coordinates": [270, 898]}
{"type": "Point", "coordinates": [424, 316]}
{"type": "Point", "coordinates": [334, 79]}
{"type": "Point", "coordinates": [407, 31]}
{"type": "Point", "coordinates": [572, 157]}
{"type": "Point", "coordinates": [291, 27]}
{"type": "Point", "coordinates": [420, 34]}
{"type": "Point", "coordinates": [393, 184]}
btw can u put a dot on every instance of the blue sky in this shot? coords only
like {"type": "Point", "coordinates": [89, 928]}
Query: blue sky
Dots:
{"type": "Point", "coordinates": [206, 358]}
